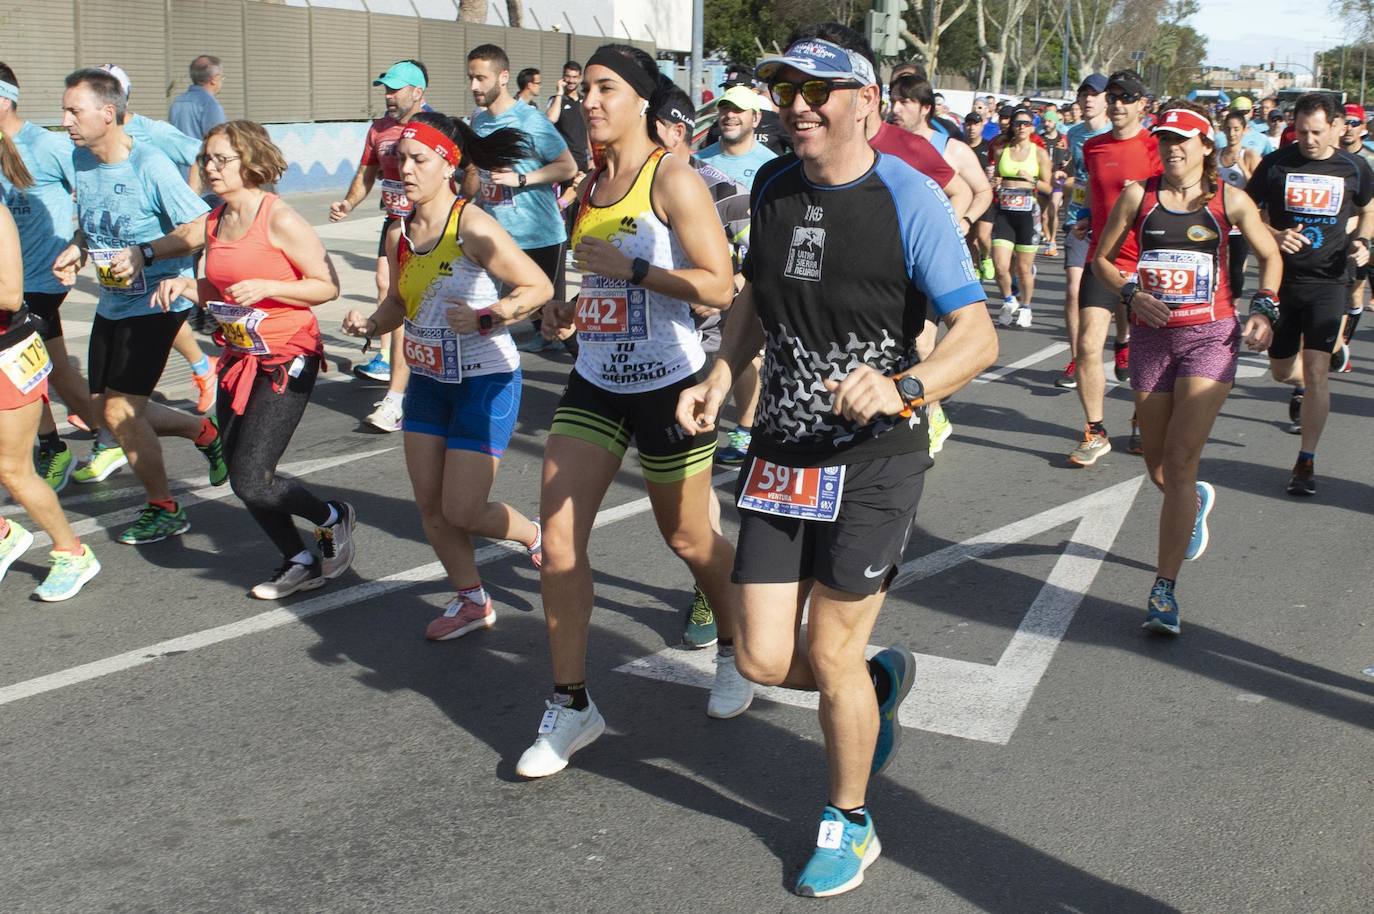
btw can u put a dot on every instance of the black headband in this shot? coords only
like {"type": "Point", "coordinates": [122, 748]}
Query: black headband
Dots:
{"type": "Point", "coordinates": [671, 112]}
{"type": "Point", "coordinates": [626, 68]}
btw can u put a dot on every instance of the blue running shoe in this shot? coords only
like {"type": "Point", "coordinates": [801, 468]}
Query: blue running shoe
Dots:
{"type": "Point", "coordinates": [378, 369]}
{"type": "Point", "coordinates": [843, 851]}
{"type": "Point", "coordinates": [1162, 611]}
{"type": "Point", "coordinates": [1206, 497]}
{"type": "Point", "coordinates": [900, 666]}
{"type": "Point", "coordinates": [733, 454]}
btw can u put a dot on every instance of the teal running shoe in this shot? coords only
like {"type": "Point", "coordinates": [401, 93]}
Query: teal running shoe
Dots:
{"type": "Point", "coordinates": [15, 543]}
{"type": "Point", "coordinates": [733, 454]}
{"type": "Point", "coordinates": [154, 525]}
{"type": "Point", "coordinates": [56, 467]}
{"type": "Point", "coordinates": [1206, 496]}
{"type": "Point", "coordinates": [69, 573]}
{"type": "Point", "coordinates": [1162, 612]}
{"type": "Point", "coordinates": [700, 628]}
{"type": "Point", "coordinates": [899, 666]}
{"type": "Point", "coordinates": [843, 851]}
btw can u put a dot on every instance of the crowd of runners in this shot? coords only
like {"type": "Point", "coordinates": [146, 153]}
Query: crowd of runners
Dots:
{"type": "Point", "coordinates": [705, 291]}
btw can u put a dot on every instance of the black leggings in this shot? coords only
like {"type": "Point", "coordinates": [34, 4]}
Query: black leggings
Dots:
{"type": "Point", "coordinates": [1237, 250]}
{"type": "Point", "coordinates": [554, 265]}
{"type": "Point", "coordinates": [253, 446]}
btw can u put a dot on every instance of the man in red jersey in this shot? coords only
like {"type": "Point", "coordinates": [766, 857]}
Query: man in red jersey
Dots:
{"type": "Point", "coordinates": [1127, 154]}
{"type": "Point", "coordinates": [917, 152]}
{"type": "Point", "coordinates": [405, 85]}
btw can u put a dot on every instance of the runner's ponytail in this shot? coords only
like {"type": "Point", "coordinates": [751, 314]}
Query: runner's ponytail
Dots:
{"type": "Point", "coordinates": [503, 148]}
{"type": "Point", "coordinates": [12, 165]}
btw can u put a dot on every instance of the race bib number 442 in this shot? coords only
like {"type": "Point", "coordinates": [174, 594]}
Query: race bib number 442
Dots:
{"type": "Point", "coordinates": [612, 313]}
{"type": "Point", "coordinates": [1313, 195]}
{"type": "Point", "coordinates": [810, 493]}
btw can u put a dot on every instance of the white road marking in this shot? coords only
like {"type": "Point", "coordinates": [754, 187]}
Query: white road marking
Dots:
{"type": "Point", "coordinates": [185, 499]}
{"type": "Point", "coordinates": [285, 615]}
{"type": "Point", "coordinates": [956, 697]}
{"type": "Point", "coordinates": [1034, 358]}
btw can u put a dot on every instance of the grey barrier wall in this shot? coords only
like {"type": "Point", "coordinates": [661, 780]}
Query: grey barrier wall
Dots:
{"type": "Point", "coordinates": [282, 64]}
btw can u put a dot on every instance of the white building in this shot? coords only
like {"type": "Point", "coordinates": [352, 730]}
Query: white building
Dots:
{"type": "Point", "coordinates": [667, 23]}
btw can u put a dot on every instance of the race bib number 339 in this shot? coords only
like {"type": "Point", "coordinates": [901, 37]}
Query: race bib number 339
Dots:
{"type": "Point", "coordinates": [1313, 195]}
{"type": "Point", "coordinates": [810, 493]}
{"type": "Point", "coordinates": [1177, 277]}
{"type": "Point", "coordinates": [612, 314]}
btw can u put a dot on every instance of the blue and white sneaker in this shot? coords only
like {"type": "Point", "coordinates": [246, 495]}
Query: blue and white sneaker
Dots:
{"type": "Point", "coordinates": [900, 666]}
{"type": "Point", "coordinates": [1162, 611]}
{"type": "Point", "coordinates": [379, 369]}
{"type": "Point", "coordinates": [733, 454]}
{"type": "Point", "coordinates": [843, 851]}
{"type": "Point", "coordinates": [1206, 497]}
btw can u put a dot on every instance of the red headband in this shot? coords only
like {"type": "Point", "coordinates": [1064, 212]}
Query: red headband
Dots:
{"type": "Point", "coordinates": [433, 138]}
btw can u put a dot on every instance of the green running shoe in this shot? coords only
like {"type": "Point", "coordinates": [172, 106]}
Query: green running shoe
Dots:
{"type": "Point", "coordinates": [214, 454]}
{"type": "Point", "coordinates": [13, 545]}
{"type": "Point", "coordinates": [700, 630]}
{"type": "Point", "coordinates": [56, 467]}
{"type": "Point", "coordinates": [105, 459]}
{"type": "Point", "coordinates": [940, 430]}
{"type": "Point", "coordinates": [69, 573]}
{"type": "Point", "coordinates": [154, 525]}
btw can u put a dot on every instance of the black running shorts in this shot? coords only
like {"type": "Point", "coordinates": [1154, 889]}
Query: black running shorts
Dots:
{"type": "Point", "coordinates": [47, 305]}
{"type": "Point", "coordinates": [128, 355]}
{"type": "Point", "coordinates": [858, 552]}
{"type": "Point", "coordinates": [1309, 318]}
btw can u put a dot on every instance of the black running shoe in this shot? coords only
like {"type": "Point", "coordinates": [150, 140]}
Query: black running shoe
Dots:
{"type": "Point", "coordinates": [1303, 480]}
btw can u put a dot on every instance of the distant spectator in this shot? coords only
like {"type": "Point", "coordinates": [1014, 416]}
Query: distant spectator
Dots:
{"type": "Point", "coordinates": [528, 82]}
{"type": "Point", "coordinates": [197, 109]}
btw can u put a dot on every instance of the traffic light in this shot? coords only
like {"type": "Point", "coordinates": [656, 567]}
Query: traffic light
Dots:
{"type": "Point", "coordinates": [883, 27]}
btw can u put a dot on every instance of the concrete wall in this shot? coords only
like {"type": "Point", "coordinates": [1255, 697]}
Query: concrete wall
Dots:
{"type": "Point", "coordinates": [320, 157]}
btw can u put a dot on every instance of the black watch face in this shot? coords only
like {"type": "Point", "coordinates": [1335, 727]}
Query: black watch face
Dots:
{"type": "Point", "coordinates": [910, 388]}
{"type": "Point", "coordinates": [484, 321]}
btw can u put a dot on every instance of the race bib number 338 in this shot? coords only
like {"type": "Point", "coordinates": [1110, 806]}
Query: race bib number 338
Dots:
{"type": "Point", "coordinates": [810, 493]}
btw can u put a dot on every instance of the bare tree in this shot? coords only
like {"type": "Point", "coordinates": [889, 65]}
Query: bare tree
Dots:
{"type": "Point", "coordinates": [472, 10]}
{"type": "Point", "coordinates": [930, 25]}
{"type": "Point", "coordinates": [1103, 32]}
{"type": "Point", "coordinates": [994, 34]}
{"type": "Point", "coordinates": [1028, 55]}
{"type": "Point", "coordinates": [515, 13]}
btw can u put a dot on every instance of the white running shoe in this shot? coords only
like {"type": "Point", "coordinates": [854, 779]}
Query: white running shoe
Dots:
{"type": "Point", "coordinates": [1009, 308]}
{"type": "Point", "coordinates": [731, 693]}
{"type": "Point", "coordinates": [1023, 318]}
{"type": "Point", "coordinates": [386, 417]}
{"type": "Point", "coordinates": [562, 731]}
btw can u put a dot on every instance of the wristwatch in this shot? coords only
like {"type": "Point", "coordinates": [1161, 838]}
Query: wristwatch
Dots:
{"type": "Point", "coordinates": [1128, 292]}
{"type": "Point", "coordinates": [638, 270]}
{"type": "Point", "coordinates": [485, 321]}
{"type": "Point", "coordinates": [521, 179]}
{"type": "Point", "coordinates": [148, 254]}
{"type": "Point", "coordinates": [912, 392]}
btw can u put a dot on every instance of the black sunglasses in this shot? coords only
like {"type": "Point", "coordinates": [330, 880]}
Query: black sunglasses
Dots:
{"type": "Point", "coordinates": [815, 92]}
{"type": "Point", "coordinates": [1023, 123]}
{"type": "Point", "coordinates": [1124, 98]}
{"type": "Point", "coordinates": [1353, 122]}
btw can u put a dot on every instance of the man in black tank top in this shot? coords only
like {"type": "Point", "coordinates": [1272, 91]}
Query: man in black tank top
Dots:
{"type": "Point", "coordinates": [1309, 192]}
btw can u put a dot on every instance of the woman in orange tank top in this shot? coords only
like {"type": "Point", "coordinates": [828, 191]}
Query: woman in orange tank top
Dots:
{"type": "Point", "coordinates": [265, 268]}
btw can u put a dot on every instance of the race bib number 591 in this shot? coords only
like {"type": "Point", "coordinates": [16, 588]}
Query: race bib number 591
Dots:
{"type": "Point", "coordinates": [1313, 195]}
{"type": "Point", "coordinates": [810, 493]}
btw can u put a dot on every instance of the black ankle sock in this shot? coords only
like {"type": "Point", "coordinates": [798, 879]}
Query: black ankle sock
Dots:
{"type": "Point", "coordinates": [1352, 320]}
{"type": "Point", "coordinates": [1097, 428]}
{"type": "Point", "coordinates": [882, 681]}
{"type": "Point", "coordinates": [576, 693]}
{"type": "Point", "coordinates": [857, 815]}
{"type": "Point", "coordinates": [1167, 582]}
{"type": "Point", "coordinates": [52, 441]}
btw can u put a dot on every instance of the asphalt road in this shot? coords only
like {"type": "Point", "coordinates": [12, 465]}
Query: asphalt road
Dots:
{"type": "Point", "coordinates": [169, 744]}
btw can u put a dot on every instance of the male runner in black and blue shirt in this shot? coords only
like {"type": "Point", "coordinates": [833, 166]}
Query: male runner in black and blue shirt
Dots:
{"type": "Point", "coordinates": [849, 250]}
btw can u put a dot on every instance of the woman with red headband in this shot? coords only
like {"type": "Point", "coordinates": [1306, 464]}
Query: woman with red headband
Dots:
{"type": "Point", "coordinates": [265, 269]}
{"type": "Point", "coordinates": [649, 245]}
{"type": "Point", "coordinates": [449, 265]}
{"type": "Point", "coordinates": [1185, 336]}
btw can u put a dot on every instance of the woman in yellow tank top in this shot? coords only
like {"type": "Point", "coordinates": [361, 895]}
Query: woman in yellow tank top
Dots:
{"type": "Point", "coordinates": [463, 395]}
{"type": "Point", "coordinates": [649, 245]}
{"type": "Point", "coordinates": [1023, 169]}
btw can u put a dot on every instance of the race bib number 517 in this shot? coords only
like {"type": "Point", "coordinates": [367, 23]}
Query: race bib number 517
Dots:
{"type": "Point", "coordinates": [1313, 195]}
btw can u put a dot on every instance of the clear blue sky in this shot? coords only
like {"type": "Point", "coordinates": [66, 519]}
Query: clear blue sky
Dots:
{"type": "Point", "coordinates": [1258, 31]}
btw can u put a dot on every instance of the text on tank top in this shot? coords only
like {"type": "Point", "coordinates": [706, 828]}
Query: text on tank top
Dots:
{"type": "Point", "coordinates": [432, 282]}
{"type": "Point", "coordinates": [1183, 257]}
{"type": "Point", "coordinates": [631, 338]}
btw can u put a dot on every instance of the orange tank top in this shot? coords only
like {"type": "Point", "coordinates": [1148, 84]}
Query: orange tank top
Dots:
{"type": "Point", "coordinates": [271, 330]}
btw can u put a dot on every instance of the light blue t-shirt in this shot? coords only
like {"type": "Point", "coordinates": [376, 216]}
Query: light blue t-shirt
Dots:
{"type": "Point", "coordinates": [129, 203]}
{"type": "Point", "coordinates": [1079, 134]}
{"type": "Point", "coordinates": [529, 214]}
{"type": "Point", "coordinates": [44, 211]}
{"type": "Point", "coordinates": [195, 111]}
{"type": "Point", "coordinates": [175, 145]}
{"type": "Point", "coordinates": [741, 168]}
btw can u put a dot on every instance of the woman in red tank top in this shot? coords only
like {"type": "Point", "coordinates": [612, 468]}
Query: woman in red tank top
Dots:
{"type": "Point", "coordinates": [24, 370]}
{"type": "Point", "coordinates": [1185, 337]}
{"type": "Point", "coordinates": [265, 268]}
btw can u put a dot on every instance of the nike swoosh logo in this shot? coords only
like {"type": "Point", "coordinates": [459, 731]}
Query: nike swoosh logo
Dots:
{"type": "Point", "coordinates": [861, 849]}
{"type": "Point", "coordinates": [870, 573]}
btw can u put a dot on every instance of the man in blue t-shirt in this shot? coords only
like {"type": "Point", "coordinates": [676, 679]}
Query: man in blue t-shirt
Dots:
{"type": "Point", "coordinates": [138, 221]}
{"type": "Point", "coordinates": [738, 153]}
{"type": "Point", "coordinates": [196, 110]}
{"type": "Point", "coordinates": [522, 199]}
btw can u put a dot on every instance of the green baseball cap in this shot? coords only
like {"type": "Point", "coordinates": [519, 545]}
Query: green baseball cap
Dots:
{"type": "Point", "coordinates": [401, 75]}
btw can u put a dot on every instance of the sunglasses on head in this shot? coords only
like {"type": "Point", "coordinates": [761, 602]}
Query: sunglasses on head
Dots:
{"type": "Point", "coordinates": [815, 92]}
{"type": "Point", "coordinates": [1124, 98]}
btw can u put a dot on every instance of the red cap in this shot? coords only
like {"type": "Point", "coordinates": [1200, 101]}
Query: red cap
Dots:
{"type": "Point", "coordinates": [1184, 123]}
{"type": "Point", "coordinates": [1354, 111]}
